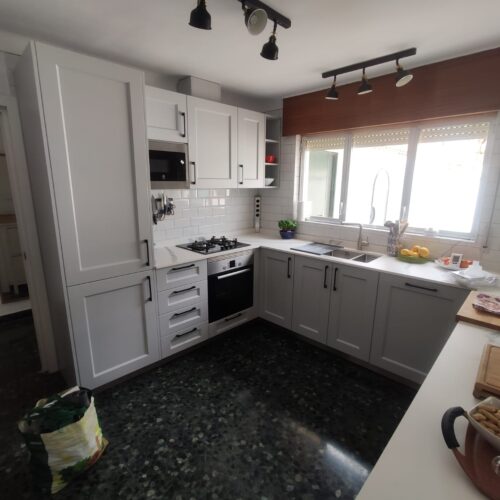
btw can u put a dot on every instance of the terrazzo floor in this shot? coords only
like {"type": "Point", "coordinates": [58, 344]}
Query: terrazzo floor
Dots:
{"type": "Point", "coordinates": [255, 414]}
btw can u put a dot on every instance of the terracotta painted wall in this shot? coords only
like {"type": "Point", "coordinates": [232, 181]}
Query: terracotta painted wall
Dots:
{"type": "Point", "coordinates": [460, 86]}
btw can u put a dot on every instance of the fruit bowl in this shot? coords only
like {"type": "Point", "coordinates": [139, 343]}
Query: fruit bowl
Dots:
{"type": "Point", "coordinates": [412, 259]}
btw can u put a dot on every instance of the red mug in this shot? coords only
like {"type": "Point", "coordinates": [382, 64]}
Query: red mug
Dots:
{"type": "Point", "coordinates": [271, 159]}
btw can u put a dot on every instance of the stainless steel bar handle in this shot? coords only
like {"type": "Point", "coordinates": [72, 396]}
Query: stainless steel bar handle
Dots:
{"type": "Point", "coordinates": [194, 172]}
{"type": "Point", "coordinates": [224, 276]}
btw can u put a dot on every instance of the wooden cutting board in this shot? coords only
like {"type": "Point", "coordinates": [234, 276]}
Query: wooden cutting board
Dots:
{"type": "Point", "coordinates": [488, 375]}
{"type": "Point", "coordinates": [470, 315]}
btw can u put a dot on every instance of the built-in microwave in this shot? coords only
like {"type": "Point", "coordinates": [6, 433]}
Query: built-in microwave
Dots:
{"type": "Point", "coordinates": [168, 165]}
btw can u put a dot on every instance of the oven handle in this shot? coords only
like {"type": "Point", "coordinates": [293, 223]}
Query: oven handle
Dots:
{"type": "Point", "coordinates": [230, 275]}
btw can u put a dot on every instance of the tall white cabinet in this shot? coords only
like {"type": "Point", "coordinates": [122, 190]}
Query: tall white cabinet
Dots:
{"type": "Point", "coordinates": [85, 133]}
{"type": "Point", "coordinates": [251, 148]}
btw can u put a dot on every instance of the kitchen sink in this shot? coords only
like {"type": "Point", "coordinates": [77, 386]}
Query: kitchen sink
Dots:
{"type": "Point", "coordinates": [353, 255]}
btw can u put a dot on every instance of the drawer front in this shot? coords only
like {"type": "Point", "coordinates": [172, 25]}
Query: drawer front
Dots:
{"type": "Point", "coordinates": [225, 324]}
{"type": "Point", "coordinates": [183, 296]}
{"type": "Point", "coordinates": [183, 319]}
{"type": "Point", "coordinates": [175, 276]}
{"type": "Point", "coordinates": [183, 339]}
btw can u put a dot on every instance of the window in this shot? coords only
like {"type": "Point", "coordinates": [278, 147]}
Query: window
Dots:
{"type": "Point", "coordinates": [429, 174]}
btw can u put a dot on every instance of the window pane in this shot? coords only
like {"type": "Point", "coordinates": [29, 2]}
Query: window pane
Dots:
{"type": "Point", "coordinates": [376, 178]}
{"type": "Point", "coordinates": [446, 184]}
{"type": "Point", "coordinates": [323, 181]}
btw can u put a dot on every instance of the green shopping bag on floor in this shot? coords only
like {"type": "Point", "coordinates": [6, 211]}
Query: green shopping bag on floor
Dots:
{"type": "Point", "coordinates": [63, 436]}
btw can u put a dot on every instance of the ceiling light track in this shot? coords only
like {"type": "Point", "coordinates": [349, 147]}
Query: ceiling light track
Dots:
{"type": "Point", "coordinates": [403, 76]}
{"type": "Point", "coordinates": [371, 62]}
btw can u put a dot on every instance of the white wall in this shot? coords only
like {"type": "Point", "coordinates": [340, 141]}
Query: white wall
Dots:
{"type": "Point", "coordinates": [282, 203]}
{"type": "Point", "coordinates": [205, 213]}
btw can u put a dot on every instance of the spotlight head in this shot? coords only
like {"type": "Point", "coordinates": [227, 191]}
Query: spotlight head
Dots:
{"type": "Point", "coordinates": [403, 76]}
{"type": "Point", "coordinates": [270, 49]}
{"type": "Point", "coordinates": [332, 94]}
{"type": "Point", "coordinates": [365, 87]}
{"type": "Point", "coordinates": [200, 18]}
{"type": "Point", "coordinates": [255, 20]}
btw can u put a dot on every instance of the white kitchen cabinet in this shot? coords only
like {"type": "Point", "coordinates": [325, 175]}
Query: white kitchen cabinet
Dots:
{"type": "Point", "coordinates": [94, 117]}
{"type": "Point", "coordinates": [115, 327]}
{"type": "Point", "coordinates": [166, 115]}
{"type": "Point", "coordinates": [213, 144]}
{"type": "Point", "coordinates": [276, 286]}
{"type": "Point", "coordinates": [311, 298]}
{"type": "Point", "coordinates": [181, 274]}
{"type": "Point", "coordinates": [183, 339]}
{"type": "Point", "coordinates": [413, 320]}
{"type": "Point", "coordinates": [251, 148]}
{"type": "Point", "coordinates": [352, 310]}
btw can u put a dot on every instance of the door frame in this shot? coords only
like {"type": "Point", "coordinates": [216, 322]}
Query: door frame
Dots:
{"type": "Point", "coordinates": [10, 127]}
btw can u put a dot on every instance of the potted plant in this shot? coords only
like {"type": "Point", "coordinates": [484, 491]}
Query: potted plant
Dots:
{"type": "Point", "coordinates": [287, 228]}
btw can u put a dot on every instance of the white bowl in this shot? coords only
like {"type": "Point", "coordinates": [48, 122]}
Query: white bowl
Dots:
{"type": "Point", "coordinates": [269, 181]}
{"type": "Point", "coordinates": [488, 435]}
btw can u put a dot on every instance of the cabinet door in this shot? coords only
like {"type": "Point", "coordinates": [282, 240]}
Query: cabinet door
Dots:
{"type": "Point", "coordinates": [276, 281]}
{"type": "Point", "coordinates": [352, 310]}
{"type": "Point", "coordinates": [212, 144]}
{"type": "Point", "coordinates": [311, 298]}
{"type": "Point", "coordinates": [251, 148]}
{"type": "Point", "coordinates": [96, 134]}
{"type": "Point", "coordinates": [413, 321]}
{"type": "Point", "coordinates": [166, 115]}
{"type": "Point", "coordinates": [115, 328]}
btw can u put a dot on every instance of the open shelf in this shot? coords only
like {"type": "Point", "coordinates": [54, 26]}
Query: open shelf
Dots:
{"type": "Point", "coordinates": [273, 147]}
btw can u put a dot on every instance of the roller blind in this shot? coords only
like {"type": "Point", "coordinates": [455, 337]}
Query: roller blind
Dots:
{"type": "Point", "coordinates": [461, 131]}
{"type": "Point", "coordinates": [387, 137]}
{"type": "Point", "coordinates": [324, 142]}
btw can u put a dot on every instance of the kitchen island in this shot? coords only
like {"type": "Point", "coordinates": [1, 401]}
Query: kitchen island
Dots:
{"type": "Point", "coordinates": [416, 464]}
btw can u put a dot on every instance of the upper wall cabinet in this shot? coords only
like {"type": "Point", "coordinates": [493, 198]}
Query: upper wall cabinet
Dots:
{"type": "Point", "coordinates": [213, 129]}
{"type": "Point", "coordinates": [166, 115]}
{"type": "Point", "coordinates": [95, 127]}
{"type": "Point", "coordinates": [251, 148]}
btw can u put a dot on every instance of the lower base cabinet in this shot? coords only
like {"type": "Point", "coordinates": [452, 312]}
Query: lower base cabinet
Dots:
{"type": "Point", "coordinates": [311, 298]}
{"type": "Point", "coordinates": [276, 286]}
{"type": "Point", "coordinates": [183, 339]}
{"type": "Point", "coordinates": [352, 310]}
{"type": "Point", "coordinates": [412, 323]}
{"type": "Point", "coordinates": [115, 328]}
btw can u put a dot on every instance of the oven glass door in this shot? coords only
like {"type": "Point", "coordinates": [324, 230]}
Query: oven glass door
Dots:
{"type": "Point", "coordinates": [230, 292]}
{"type": "Point", "coordinates": [167, 166]}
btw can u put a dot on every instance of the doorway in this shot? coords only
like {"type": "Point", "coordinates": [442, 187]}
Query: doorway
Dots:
{"type": "Point", "coordinates": [22, 282]}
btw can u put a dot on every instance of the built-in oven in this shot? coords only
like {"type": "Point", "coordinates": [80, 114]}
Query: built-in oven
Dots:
{"type": "Point", "coordinates": [230, 285]}
{"type": "Point", "coordinates": [168, 165]}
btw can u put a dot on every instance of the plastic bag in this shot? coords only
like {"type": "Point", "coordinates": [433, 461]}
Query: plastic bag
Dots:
{"type": "Point", "coordinates": [64, 438]}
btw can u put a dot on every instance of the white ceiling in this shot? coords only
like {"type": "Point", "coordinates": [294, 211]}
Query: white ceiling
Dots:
{"type": "Point", "coordinates": [154, 35]}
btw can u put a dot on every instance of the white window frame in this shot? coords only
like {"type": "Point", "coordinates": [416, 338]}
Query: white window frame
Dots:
{"type": "Point", "coordinates": [415, 130]}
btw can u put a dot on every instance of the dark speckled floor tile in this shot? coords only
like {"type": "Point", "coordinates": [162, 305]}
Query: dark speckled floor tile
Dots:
{"type": "Point", "coordinates": [257, 414]}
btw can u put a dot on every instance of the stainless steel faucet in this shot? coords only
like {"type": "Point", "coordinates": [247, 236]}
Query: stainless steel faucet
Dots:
{"type": "Point", "coordinates": [361, 243]}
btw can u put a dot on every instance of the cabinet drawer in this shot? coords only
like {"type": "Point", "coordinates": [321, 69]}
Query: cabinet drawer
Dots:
{"type": "Point", "coordinates": [183, 296]}
{"type": "Point", "coordinates": [183, 318]}
{"type": "Point", "coordinates": [225, 324]}
{"type": "Point", "coordinates": [175, 276]}
{"type": "Point", "coordinates": [183, 339]}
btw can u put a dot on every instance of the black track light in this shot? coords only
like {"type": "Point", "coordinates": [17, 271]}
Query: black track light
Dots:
{"type": "Point", "coordinates": [255, 20]}
{"type": "Point", "coordinates": [403, 76]}
{"type": "Point", "coordinates": [200, 18]}
{"type": "Point", "coordinates": [365, 87]}
{"type": "Point", "coordinates": [333, 95]}
{"type": "Point", "coordinates": [270, 49]}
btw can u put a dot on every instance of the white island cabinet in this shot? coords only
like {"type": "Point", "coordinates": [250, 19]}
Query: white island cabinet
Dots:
{"type": "Point", "coordinates": [85, 133]}
{"type": "Point", "coordinates": [352, 309]}
{"type": "Point", "coordinates": [413, 321]}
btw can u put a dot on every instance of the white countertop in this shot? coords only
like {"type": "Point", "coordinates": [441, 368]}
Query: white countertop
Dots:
{"type": "Point", "coordinates": [166, 256]}
{"type": "Point", "coordinates": [416, 464]}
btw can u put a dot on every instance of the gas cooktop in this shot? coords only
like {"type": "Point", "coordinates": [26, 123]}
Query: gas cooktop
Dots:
{"type": "Point", "coordinates": [213, 245]}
